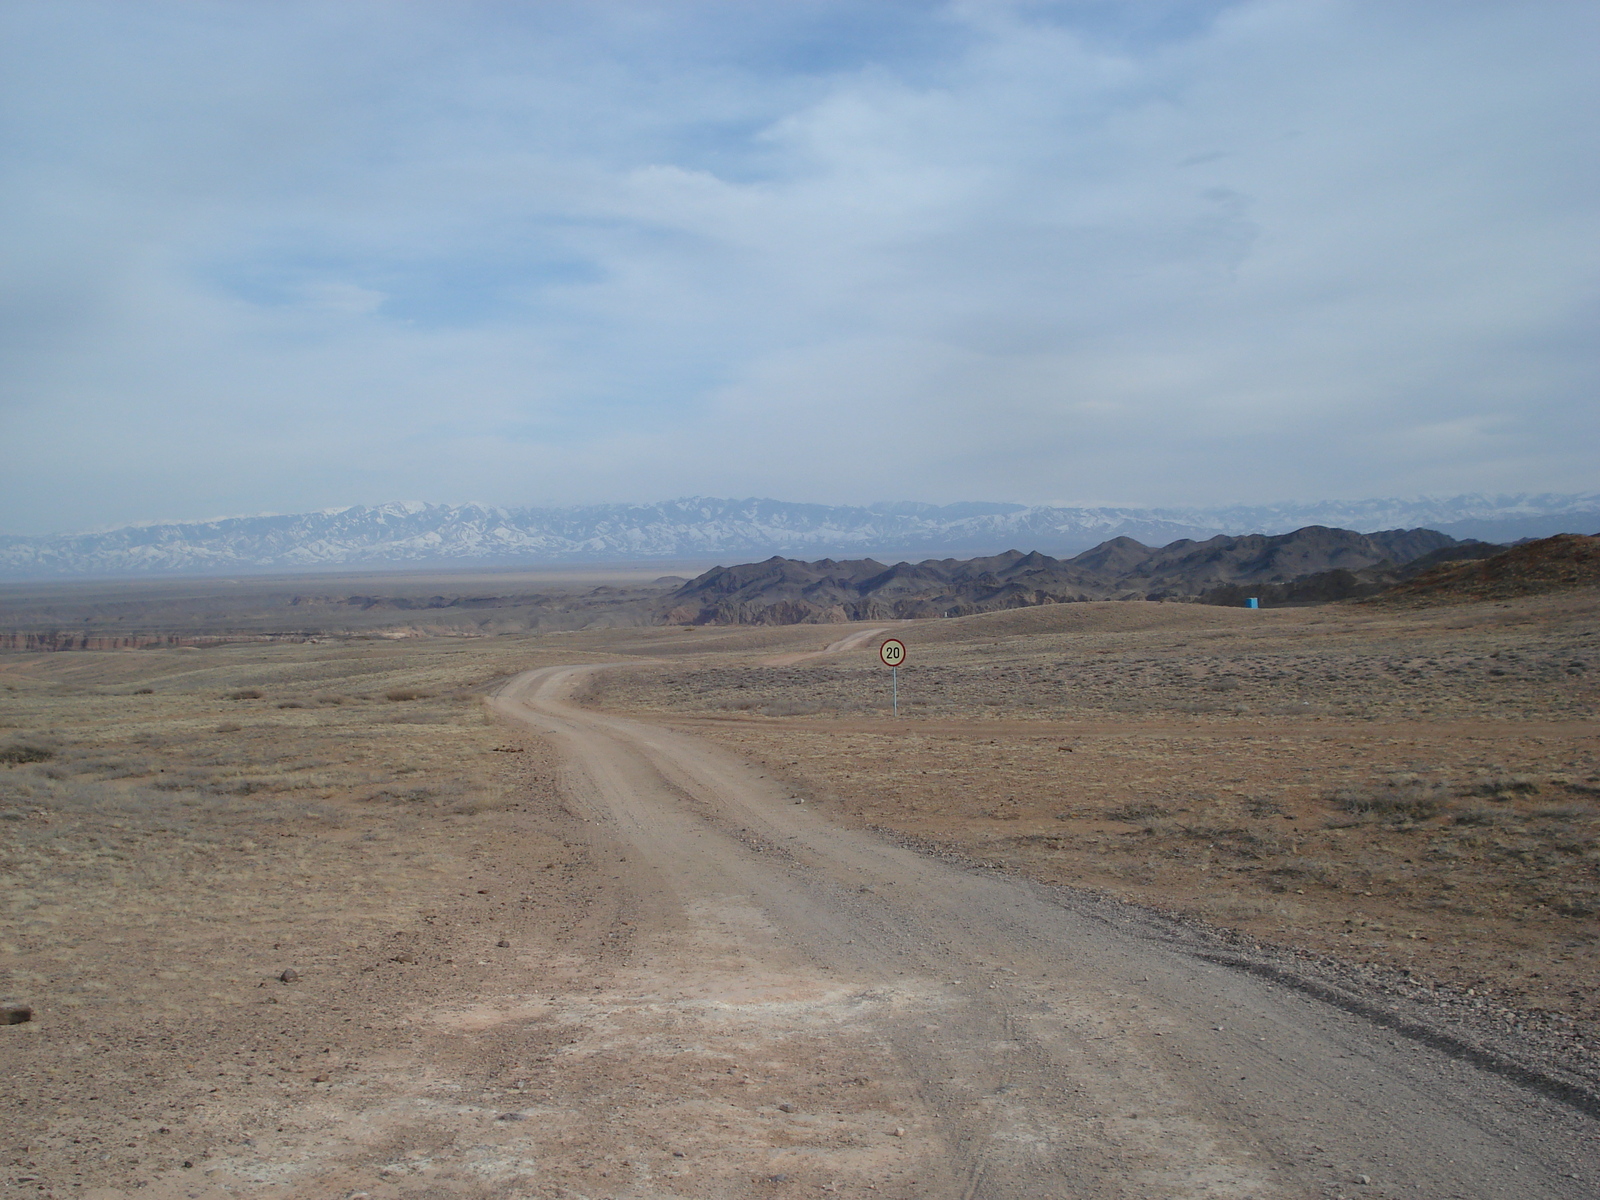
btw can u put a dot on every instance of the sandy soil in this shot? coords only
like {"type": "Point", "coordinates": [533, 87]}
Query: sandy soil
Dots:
{"type": "Point", "coordinates": [554, 951]}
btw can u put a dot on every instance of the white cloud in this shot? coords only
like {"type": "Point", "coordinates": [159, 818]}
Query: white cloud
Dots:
{"type": "Point", "coordinates": [282, 257]}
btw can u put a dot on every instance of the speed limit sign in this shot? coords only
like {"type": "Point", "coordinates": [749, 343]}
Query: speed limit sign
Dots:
{"type": "Point", "coordinates": [892, 652]}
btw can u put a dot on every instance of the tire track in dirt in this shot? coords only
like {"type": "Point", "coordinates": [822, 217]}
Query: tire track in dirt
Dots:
{"type": "Point", "coordinates": [1047, 1044]}
{"type": "Point", "coordinates": [859, 638]}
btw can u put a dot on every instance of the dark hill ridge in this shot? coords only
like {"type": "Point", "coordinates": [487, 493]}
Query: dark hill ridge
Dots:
{"type": "Point", "coordinates": [1553, 564]}
{"type": "Point", "coordinates": [1342, 583]}
{"type": "Point", "coordinates": [786, 591]}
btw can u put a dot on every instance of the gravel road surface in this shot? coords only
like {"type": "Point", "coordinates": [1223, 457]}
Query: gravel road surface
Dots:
{"type": "Point", "coordinates": [1042, 1043]}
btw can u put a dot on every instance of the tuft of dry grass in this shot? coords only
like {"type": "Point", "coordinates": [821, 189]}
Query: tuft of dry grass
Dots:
{"type": "Point", "coordinates": [1504, 787]}
{"type": "Point", "coordinates": [1401, 796]}
{"type": "Point", "coordinates": [1138, 810]}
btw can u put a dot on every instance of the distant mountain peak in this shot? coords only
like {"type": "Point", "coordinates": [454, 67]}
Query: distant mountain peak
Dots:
{"type": "Point", "coordinates": [417, 533]}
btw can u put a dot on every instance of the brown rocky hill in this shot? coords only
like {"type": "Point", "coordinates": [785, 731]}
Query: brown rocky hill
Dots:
{"type": "Point", "coordinates": [786, 591]}
{"type": "Point", "coordinates": [1341, 583]}
{"type": "Point", "coordinates": [1552, 564]}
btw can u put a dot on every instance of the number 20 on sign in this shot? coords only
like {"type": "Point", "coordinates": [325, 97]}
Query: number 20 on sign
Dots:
{"type": "Point", "coordinates": [893, 653]}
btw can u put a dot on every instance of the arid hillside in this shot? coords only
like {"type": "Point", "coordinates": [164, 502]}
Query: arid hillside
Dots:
{"type": "Point", "coordinates": [782, 591]}
{"type": "Point", "coordinates": [1566, 562]}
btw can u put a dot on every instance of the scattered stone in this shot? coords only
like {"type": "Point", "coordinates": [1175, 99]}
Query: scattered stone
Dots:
{"type": "Point", "coordinates": [323, 1078]}
{"type": "Point", "coordinates": [512, 1116]}
{"type": "Point", "coordinates": [677, 1154]}
{"type": "Point", "coordinates": [899, 1132]}
{"type": "Point", "coordinates": [780, 1177]}
{"type": "Point", "coordinates": [503, 944]}
{"type": "Point", "coordinates": [289, 975]}
{"type": "Point", "coordinates": [13, 1012]}
{"type": "Point", "coordinates": [787, 1108]}
{"type": "Point", "coordinates": [402, 957]}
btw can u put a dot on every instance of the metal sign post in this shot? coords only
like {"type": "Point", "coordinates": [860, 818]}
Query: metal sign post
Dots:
{"type": "Point", "coordinates": [892, 653]}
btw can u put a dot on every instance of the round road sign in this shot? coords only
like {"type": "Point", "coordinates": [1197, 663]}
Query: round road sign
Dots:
{"type": "Point", "coordinates": [892, 652]}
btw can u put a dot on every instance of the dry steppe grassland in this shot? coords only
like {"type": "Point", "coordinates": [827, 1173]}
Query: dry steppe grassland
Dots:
{"type": "Point", "coordinates": [180, 827]}
{"type": "Point", "coordinates": [1417, 789]}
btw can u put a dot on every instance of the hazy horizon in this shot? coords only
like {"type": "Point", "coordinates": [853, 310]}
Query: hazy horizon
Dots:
{"type": "Point", "coordinates": [1505, 498]}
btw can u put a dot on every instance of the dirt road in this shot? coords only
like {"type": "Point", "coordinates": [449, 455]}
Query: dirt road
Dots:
{"type": "Point", "coordinates": [1023, 1041]}
{"type": "Point", "coordinates": [859, 638]}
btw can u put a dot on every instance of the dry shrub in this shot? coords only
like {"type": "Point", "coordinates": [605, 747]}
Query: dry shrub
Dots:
{"type": "Point", "coordinates": [1504, 787]}
{"type": "Point", "coordinates": [418, 795]}
{"type": "Point", "coordinates": [1137, 810]}
{"type": "Point", "coordinates": [1295, 867]}
{"type": "Point", "coordinates": [144, 691]}
{"type": "Point", "coordinates": [291, 704]}
{"type": "Point", "coordinates": [1402, 796]}
{"type": "Point", "coordinates": [1291, 708]}
{"type": "Point", "coordinates": [791, 708]}
{"type": "Point", "coordinates": [1577, 905]}
{"type": "Point", "coordinates": [399, 694]}
{"type": "Point", "coordinates": [245, 787]}
{"type": "Point", "coordinates": [1556, 812]}
{"type": "Point", "coordinates": [26, 752]}
{"type": "Point", "coordinates": [246, 694]}
{"type": "Point", "coordinates": [229, 727]}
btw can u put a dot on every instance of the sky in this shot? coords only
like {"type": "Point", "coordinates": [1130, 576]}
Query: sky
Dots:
{"type": "Point", "coordinates": [290, 256]}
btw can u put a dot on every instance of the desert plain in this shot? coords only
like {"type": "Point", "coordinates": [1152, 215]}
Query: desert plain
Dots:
{"type": "Point", "coordinates": [659, 911]}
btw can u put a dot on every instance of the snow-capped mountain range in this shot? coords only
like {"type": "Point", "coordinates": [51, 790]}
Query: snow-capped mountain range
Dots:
{"type": "Point", "coordinates": [398, 535]}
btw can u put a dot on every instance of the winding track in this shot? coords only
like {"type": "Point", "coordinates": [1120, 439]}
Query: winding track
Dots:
{"type": "Point", "coordinates": [850, 642]}
{"type": "Point", "coordinates": [1060, 1046]}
